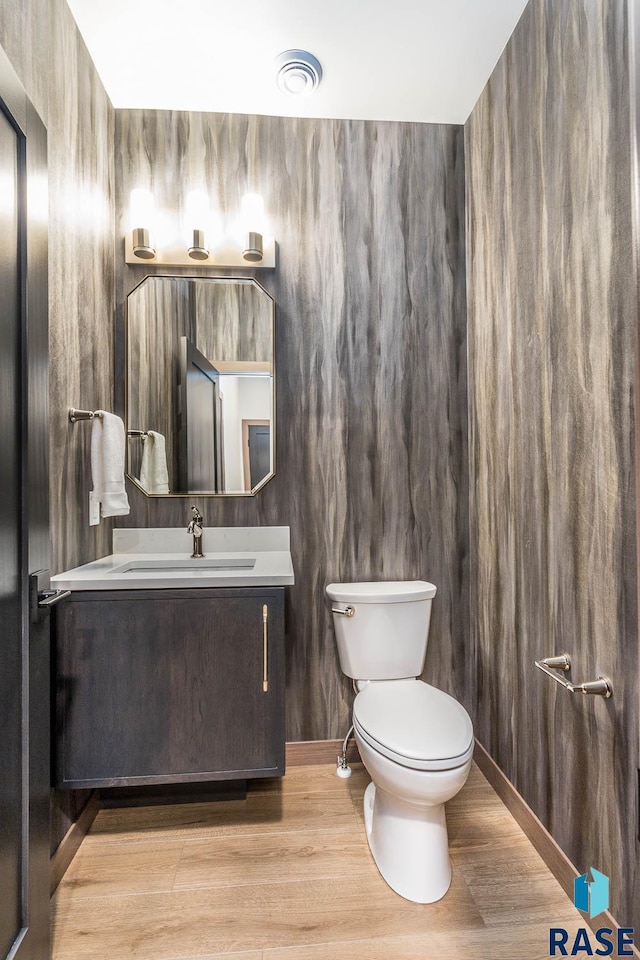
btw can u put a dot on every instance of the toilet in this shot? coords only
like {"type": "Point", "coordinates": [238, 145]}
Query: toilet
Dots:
{"type": "Point", "coordinates": [415, 740]}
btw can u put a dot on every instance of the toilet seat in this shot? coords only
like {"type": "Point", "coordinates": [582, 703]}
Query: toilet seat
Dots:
{"type": "Point", "coordinates": [414, 724]}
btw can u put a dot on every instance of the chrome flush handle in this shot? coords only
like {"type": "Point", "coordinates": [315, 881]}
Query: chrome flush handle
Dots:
{"type": "Point", "coordinates": [347, 612]}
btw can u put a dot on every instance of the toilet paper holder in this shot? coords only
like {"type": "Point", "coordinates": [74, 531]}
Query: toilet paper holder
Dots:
{"type": "Point", "coordinates": [601, 687]}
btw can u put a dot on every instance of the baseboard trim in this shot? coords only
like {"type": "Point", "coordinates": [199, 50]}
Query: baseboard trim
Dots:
{"type": "Point", "coordinates": [302, 752]}
{"type": "Point", "coordinates": [555, 858]}
{"type": "Point", "coordinates": [70, 843]}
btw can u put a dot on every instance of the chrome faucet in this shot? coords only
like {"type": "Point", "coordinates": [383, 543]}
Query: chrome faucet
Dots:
{"type": "Point", "coordinates": [195, 529]}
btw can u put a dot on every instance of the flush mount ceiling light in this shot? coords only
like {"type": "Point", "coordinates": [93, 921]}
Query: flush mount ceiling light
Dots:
{"type": "Point", "coordinates": [299, 73]}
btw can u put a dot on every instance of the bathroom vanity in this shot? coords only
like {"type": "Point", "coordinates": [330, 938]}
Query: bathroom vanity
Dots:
{"type": "Point", "coordinates": [171, 669]}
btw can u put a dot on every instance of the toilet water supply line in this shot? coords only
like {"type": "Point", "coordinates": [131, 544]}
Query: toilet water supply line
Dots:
{"type": "Point", "coordinates": [343, 769]}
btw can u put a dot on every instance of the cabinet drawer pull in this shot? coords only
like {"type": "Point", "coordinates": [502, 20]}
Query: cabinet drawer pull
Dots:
{"type": "Point", "coordinates": [265, 648]}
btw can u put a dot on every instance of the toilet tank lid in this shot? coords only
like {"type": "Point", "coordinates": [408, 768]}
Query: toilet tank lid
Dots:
{"type": "Point", "coordinates": [385, 591]}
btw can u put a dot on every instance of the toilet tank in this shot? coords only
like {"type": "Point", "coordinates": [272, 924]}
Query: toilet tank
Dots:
{"type": "Point", "coordinates": [386, 636]}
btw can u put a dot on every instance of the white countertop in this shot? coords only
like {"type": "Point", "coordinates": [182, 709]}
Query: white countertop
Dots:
{"type": "Point", "coordinates": [244, 556]}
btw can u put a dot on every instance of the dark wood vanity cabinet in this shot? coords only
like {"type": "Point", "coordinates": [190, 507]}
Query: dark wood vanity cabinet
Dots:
{"type": "Point", "coordinates": [169, 686]}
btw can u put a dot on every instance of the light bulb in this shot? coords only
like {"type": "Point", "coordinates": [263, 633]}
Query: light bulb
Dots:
{"type": "Point", "coordinates": [252, 213]}
{"type": "Point", "coordinates": [141, 212]}
{"type": "Point", "coordinates": [141, 209]}
{"type": "Point", "coordinates": [196, 213]}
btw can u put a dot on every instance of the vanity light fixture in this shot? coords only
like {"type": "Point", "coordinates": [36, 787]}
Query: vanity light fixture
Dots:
{"type": "Point", "coordinates": [198, 238]}
{"type": "Point", "coordinates": [141, 207]}
{"type": "Point", "coordinates": [252, 219]}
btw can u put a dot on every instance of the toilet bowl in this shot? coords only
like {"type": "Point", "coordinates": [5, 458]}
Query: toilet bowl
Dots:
{"type": "Point", "coordinates": [415, 741]}
{"type": "Point", "coordinates": [404, 805]}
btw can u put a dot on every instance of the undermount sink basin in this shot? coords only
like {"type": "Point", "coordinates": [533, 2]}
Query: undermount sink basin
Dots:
{"type": "Point", "coordinates": [190, 563]}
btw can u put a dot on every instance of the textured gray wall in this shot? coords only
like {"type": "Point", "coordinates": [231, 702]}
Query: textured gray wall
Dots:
{"type": "Point", "coordinates": [81, 279]}
{"type": "Point", "coordinates": [552, 345]}
{"type": "Point", "coordinates": [42, 41]}
{"type": "Point", "coordinates": [24, 35]}
{"type": "Point", "coordinates": [370, 361]}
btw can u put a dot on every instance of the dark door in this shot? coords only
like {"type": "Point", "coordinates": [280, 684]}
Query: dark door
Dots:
{"type": "Point", "coordinates": [10, 536]}
{"type": "Point", "coordinates": [24, 680]}
{"type": "Point", "coordinates": [199, 433]}
{"type": "Point", "coordinates": [259, 452]}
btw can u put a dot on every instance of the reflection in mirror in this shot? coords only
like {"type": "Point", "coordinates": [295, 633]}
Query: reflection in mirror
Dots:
{"type": "Point", "coordinates": [200, 386]}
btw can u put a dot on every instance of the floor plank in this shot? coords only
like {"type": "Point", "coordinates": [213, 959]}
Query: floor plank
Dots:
{"type": "Point", "coordinates": [118, 870]}
{"type": "Point", "coordinates": [514, 894]}
{"type": "Point", "coordinates": [265, 859]}
{"type": "Point", "coordinates": [311, 779]}
{"type": "Point", "coordinates": [248, 917]}
{"type": "Point", "coordinates": [528, 942]}
{"type": "Point", "coordinates": [252, 955]}
{"type": "Point", "coordinates": [260, 813]}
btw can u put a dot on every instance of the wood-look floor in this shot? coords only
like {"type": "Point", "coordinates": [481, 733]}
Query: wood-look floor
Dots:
{"type": "Point", "coordinates": [286, 875]}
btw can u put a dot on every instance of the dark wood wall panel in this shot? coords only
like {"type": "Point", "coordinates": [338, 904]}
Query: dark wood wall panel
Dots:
{"type": "Point", "coordinates": [370, 358]}
{"type": "Point", "coordinates": [552, 344]}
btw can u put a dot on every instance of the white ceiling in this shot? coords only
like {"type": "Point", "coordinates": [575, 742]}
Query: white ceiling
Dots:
{"type": "Point", "coordinates": [413, 60]}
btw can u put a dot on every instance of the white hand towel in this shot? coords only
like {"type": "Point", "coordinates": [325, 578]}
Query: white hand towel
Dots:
{"type": "Point", "coordinates": [107, 465]}
{"type": "Point", "coordinates": [154, 476]}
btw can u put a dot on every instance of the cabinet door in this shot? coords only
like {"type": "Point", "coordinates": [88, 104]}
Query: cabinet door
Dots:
{"type": "Point", "coordinates": [157, 688]}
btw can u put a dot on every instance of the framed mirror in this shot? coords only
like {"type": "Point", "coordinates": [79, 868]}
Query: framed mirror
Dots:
{"type": "Point", "coordinates": [200, 415]}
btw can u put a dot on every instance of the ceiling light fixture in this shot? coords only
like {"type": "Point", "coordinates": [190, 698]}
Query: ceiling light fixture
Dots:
{"type": "Point", "coordinates": [299, 73]}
